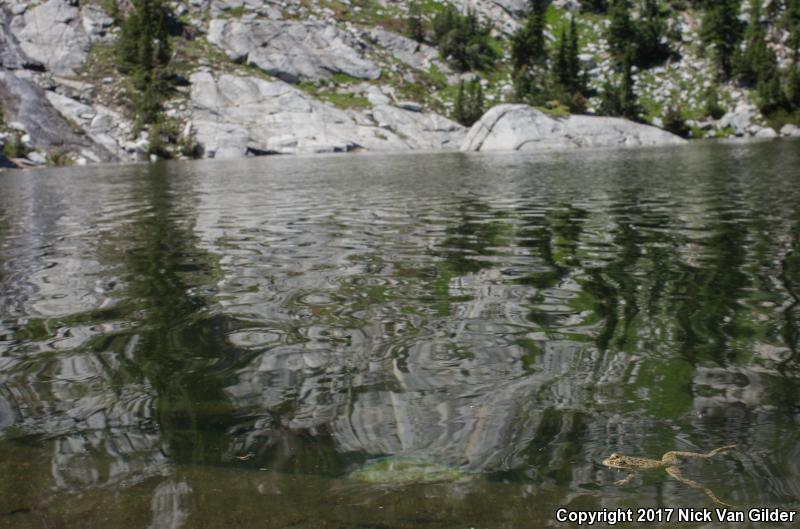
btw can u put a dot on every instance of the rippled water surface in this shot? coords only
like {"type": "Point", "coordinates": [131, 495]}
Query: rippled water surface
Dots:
{"type": "Point", "coordinates": [230, 345]}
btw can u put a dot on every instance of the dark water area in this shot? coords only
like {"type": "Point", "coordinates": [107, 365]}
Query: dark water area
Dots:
{"type": "Point", "coordinates": [229, 344]}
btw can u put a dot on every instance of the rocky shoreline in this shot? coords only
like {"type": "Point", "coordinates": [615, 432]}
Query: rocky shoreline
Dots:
{"type": "Point", "coordinates": [276, 89]}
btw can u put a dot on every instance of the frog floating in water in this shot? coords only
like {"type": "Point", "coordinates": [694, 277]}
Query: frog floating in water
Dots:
{"type": "Point", "coordinates": [668, 462]}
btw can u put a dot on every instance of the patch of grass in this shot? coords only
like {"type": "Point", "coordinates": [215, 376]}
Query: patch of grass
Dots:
{"type": "Point", "coordinates": [189, 53]}
{"type": "Point", "coordinates": [555, 109]}
{"type": "Point", "coordinates": [345, 100]}
{"type": "Point", "coordinates": [235, 12]}
{"type": "Point", "coordinates": [343, 78]}
{"type": "Point", "coordinates": [727, 132]}
{"type": "Point", "coordinates": [436, 77]}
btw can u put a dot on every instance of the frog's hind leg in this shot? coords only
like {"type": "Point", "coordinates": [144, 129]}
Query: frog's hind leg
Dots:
{"type": "Point", "coordinates": [676, 473]}
{"type": "Point", "coordinates": [670, 457]}
{"type": "Point", "coordinates": [627, 479]}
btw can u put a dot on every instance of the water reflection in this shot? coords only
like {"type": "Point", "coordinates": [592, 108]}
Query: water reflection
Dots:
{"type": "Point", "coordinates": [228, 342]}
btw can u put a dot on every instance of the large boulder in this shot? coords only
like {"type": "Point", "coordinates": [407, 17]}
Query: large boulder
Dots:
{"type": "Point", "coordinates": [293, 51]}
{"type": "Point", "coordinates": [234, 116]}
{"type": "Point", "coordinates": [523, 128]}
{"type": "Point", "coordinates": [53, 34]}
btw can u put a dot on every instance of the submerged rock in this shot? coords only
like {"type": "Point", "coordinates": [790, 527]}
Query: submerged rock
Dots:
{"type": "Point", "coordinates": [523, 128]}
{"type": "Point", "coordinates": [406, 471]}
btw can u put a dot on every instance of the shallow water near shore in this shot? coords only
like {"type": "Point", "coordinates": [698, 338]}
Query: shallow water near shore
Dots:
{"type": "Point", "coordinates": [227, 344]}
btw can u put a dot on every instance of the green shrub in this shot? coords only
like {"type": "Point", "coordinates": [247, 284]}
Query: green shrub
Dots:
{"type": "Point", "coordinates": [712, 106]}
{"type": "Point", "coordinates": [15, 147]}
{"type": "Point", "coordinates": [59, 158]}
{"type": "Point", "coordinates": [674, 121]}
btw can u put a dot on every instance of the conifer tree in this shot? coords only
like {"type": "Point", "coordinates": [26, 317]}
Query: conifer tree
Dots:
{"type": "Point", "coordinates": [475, 106]}
{"type": "Point", "coordinates": [567, 63]}
{"type": "Point", "coordinates": [469, 104]}
{"type": "Point", "coordinates": [629, 104]}
{"type": "Point", "coordinates": [462, 40]}
{"type": "Point", "coordinates": [650, 33]}
{"type": "Point", "coordinates": [458, 107]}
{"type": "Point", "coordinates": [621, 32]}
{"type": "Point", "coordinates": [528, 44]}
{"type": "Point", "coordinates": [573, 60]}
{"type": "Point", "coordinates": [594, 6]}
{"type": "Point", "coordinates": [722, 31]}
{"type": "Point", "coordinates": [143, 50]}
{"type": "Point", "coordinates": [757, 61]}
{"type": "Point", "coordinates": [415, 26]}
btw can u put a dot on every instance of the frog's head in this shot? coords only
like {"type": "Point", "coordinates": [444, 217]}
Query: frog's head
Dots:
{"type": "Point", "coordinates": [615, 460]}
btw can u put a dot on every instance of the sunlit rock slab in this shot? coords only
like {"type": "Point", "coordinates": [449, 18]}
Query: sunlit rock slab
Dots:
{"type": "Point", "coordinates": [523, 128]}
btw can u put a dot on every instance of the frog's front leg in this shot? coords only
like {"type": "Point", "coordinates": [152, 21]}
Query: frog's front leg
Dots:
{"type": "Point", "coordinates": [627, 480]}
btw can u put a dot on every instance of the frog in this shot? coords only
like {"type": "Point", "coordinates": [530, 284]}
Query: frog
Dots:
{"type": "Point", "coordinates": [668, 462]}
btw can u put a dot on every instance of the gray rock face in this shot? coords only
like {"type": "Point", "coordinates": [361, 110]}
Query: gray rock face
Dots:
{"type": "Point", "coordinates": [520, 127]}
{"type": "Point", "coordinates": [28, 105]}
{"type": "Point", "coordinates": [234, 116]}
{"type": "Point", "coordinates": [11, 55]}
{"type": "Point", "coordinates": [52, 33]}
{"type": "Point", "coordinates": [408, 51]}
{"type": "Point", "coordinates": [102, 125]}
{"type": "Point", "coordinates": [293, 51]}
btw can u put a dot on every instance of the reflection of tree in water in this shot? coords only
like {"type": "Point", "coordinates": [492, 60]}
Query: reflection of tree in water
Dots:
{"type": "Point", "coordinates": [553, 238]}
{"type": "Point", "coordinates": [790, 278]}
{"type": "Point", "coordinates": [181, 348]}
{"type": "Point", "coordinates": [477, 232]}
{"type": "Point", "coordinates": [706, 302]}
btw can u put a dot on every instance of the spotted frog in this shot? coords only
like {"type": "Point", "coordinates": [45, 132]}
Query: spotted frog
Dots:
{"type": "Point", "coordinates": [668, 462]}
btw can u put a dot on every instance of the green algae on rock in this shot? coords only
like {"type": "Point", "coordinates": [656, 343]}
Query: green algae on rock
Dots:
{"type": "Point", "coordinates": [406, 470]}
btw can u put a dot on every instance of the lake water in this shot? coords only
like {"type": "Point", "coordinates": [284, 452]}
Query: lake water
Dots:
{"type": "Point", "coordinates": [230, 344]}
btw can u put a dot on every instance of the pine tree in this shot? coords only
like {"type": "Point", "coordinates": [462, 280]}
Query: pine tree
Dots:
{"type": "Point", "coordinates": [594, 6]}
{"type": "Point", "coordinates": [522, 85]}
{"type": "Point", "coordinates": [722, 31]}
{"type": "Point", "coordinates": [475, 105]}
{"type": "Point", "coordinates": [573, 59]}
{"type": "Point", "coordinates": [792, 23]}
{"type": "Point", "coordinates": [462, 40]}
{"type": "Point", "coordinates": [621, 32]}
{"type": "Point", "coordinates": [567, 63]}
{"type": "Point", "coordinates": [458, 107]}
{"type": "Point", "coordinates": [415, 26]}
{"type": "Point", "coordinates": [650, 32]}
{"type": "Point", "coordinates": [143, 50]}
{"type": "Point", "coordinates": [469, 103]}
{"type": "Point", "coordinates": [629, 104]}
{"type": "Point", "coordinates": [528, 43]}
{"type": "Point", "coordinates": [757, 62]}
{"type": "Point", "coordinates": [793, 88]}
